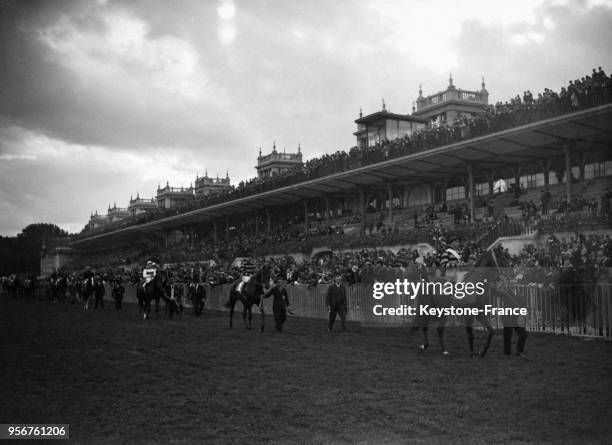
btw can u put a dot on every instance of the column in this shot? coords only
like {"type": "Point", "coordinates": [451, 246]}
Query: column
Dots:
{"type": "Point", "coordinates": [568, 172]}
{"type": "Point", "coordinates": [226, 229]}
{"type": "Point", "coordinates": [444, 184]}
{"type": "Point", "coordinates": [305, 216]}
{"type": "Point", "coordinates": [256, 223]}
{"type": "Point", "coordinates": [215, 233]}
{"type": "Point", "coordinates": [268, 222]}
{"type": "Point", "coordinates": [471, 191]}
{"type": "Point", "coordinates": [390, 197]}
{"type": "Point", "coordinates": [362, 208]}
{"type": "Point", "coordinates": [327, 211]}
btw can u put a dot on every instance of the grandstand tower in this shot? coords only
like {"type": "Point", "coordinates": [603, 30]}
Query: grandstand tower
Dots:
{"type": "Point", "coordinates": [275, 163]}
{"type": "Point", "coordinates": [384, 125]}
{"type": "Point", "coordinates": [205, 186]}
{"type": "Point", "coordinates": [451, 104]}
{"type": "Point", "coordinates": [140, 205]}
{"type": "Point", "coordinates": [173, 197]}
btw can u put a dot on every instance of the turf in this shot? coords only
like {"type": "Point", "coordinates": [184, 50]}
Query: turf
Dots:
{"type": "Point", "coordinates": [118, 379]}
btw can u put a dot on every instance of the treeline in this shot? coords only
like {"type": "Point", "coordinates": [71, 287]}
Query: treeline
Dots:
{"type": "Point", "coordinates": [21, 254]}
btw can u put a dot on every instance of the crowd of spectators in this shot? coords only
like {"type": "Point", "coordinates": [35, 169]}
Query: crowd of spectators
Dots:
{"type": "Point", "coordinates": [588, 91]}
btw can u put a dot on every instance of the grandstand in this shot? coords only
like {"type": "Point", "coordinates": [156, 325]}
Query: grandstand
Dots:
{"type": "Point", "coordinates": [396, 193]}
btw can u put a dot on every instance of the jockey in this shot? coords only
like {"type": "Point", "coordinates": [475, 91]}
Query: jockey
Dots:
{"type": "Point", "coordinates": [149, 272]}
{"type": "Point", "coordinates": [247, 269]}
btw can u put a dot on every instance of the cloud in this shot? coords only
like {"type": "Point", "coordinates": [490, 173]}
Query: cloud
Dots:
{"type": "Point", "coordinates": [104, 99]}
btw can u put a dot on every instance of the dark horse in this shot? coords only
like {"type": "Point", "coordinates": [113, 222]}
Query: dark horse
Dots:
{"type": "Point", "coordinates": [250, 294]}
{"type": "Point", "coordinates": [148, 291]}
{"type": "Point", "coordinates": [489, 269]}
{"type": "Point", "coordinates": [436, 300]}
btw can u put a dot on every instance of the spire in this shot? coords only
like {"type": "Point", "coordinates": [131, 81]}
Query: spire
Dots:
{"type": "Point", "coordinates": [484, 90]}
{"type": "Point", "coordinates": [384, 108]}
{"type": "Point", "coordinates": [420, 91]}
{"type": "Point", "coordinates": [274, 147]}
{"type": "Point", "coordinates": [360, 113]}
{"type": "Point", "coordinates": [206, 173]}
{"type": "Point", "coordinates": [450, 79]}
{"type": "Point", "coordinates": [413, 107]}
{"type": "Point", "coordinates": [299, 148]}
{"type": "Point", "coordinates": [227, 174]}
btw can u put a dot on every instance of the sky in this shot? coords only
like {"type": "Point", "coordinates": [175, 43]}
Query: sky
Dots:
{"type": "Point", "coordinates": [103, 100]}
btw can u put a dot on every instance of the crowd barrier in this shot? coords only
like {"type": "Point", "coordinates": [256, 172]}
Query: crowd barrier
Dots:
{"type": "Point", "coordinates": [579, 310]}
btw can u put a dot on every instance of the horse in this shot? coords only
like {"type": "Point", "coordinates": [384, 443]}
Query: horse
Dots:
{"type": "Point", "coordinates": [489, 268]}
{"type": "Point", "coordinates": [434, 301]}
{"type": "Point", "coordinates": [148, 291]}
{"type": "Point", "coordinates": [248, 294]}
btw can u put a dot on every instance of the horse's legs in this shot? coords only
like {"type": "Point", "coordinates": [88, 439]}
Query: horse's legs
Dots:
{"type": "Point", "coordinates": [470, 333]}
{"type": "Point", "coordinates": [425, 344]}
{"type": "Point", "coordinates": [232, 303]}
{"type": "Point", "coordinates": [440, 330]}
{"type": "Point", "coordinates": [485, 322]}
{"type": "Point", "coordinates": [263, 317]}
{"type": "Point", "coordinates": [247, 315]}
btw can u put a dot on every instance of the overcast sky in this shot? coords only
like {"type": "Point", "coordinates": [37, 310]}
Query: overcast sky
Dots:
{"type": "Point", "coordinates": [100, 100]}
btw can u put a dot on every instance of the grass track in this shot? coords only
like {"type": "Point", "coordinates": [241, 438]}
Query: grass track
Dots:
{"type": "Point", "coordinates": [117, 379]}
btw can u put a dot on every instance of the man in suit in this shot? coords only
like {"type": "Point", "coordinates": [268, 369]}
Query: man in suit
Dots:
{"type": "Point", "coordinates": [280, 303]}
{"type": "Point", "coordinates": [118, 292]}
{"type": "Point", "coordinates": [99, 292]}
{"type": "Point", "coordinates": [335, 299]}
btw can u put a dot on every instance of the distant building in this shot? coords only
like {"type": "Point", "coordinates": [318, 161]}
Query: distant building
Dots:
{"type": "Point", "coordinates": [377, 127]}
{"type": "Point", "coordinates": [276, 163]}
{"type": "Point", "coordinates": [173, 197]}
{"type": "Point", "coordinates": [96, 221]}
{"type": "Point", "coordinates": [115, 213]}
{"type": "Point", "coordinates": [53, 260]}
{"type": "Point", "coordinates": [451, 104]}
{"type": "Point", "coordinates": [140, 205]}
{"type": "Point", "coordinates": [205, 186]}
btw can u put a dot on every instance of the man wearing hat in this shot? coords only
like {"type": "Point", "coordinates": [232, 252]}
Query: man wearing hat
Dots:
{"type": "Point", "coordinates": [280, 303]}
{"type": "Point", "coordinates": [335, 299]}
{"type": "Point", "coordinates": [118, 292]}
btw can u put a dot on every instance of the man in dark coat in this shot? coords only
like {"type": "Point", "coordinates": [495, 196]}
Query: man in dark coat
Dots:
{"type": "Point", "coordinates": [198, 295]}
{"type": "Point", "coordinates": [99, 292]}
{"type": "Point", "coordinates": [118, 291]}
{"type": "Point", "coordinates": [335, 299]}
{"type": "Point", "coordinates": [280, 304]}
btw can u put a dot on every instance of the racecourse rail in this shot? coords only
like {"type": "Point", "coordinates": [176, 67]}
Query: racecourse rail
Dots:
{"type": "Point", "coordinates": [578, 310]}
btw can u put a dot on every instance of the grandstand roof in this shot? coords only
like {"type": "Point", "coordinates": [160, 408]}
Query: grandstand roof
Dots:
{"type": "Point", "coordinates": [588, 129]}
